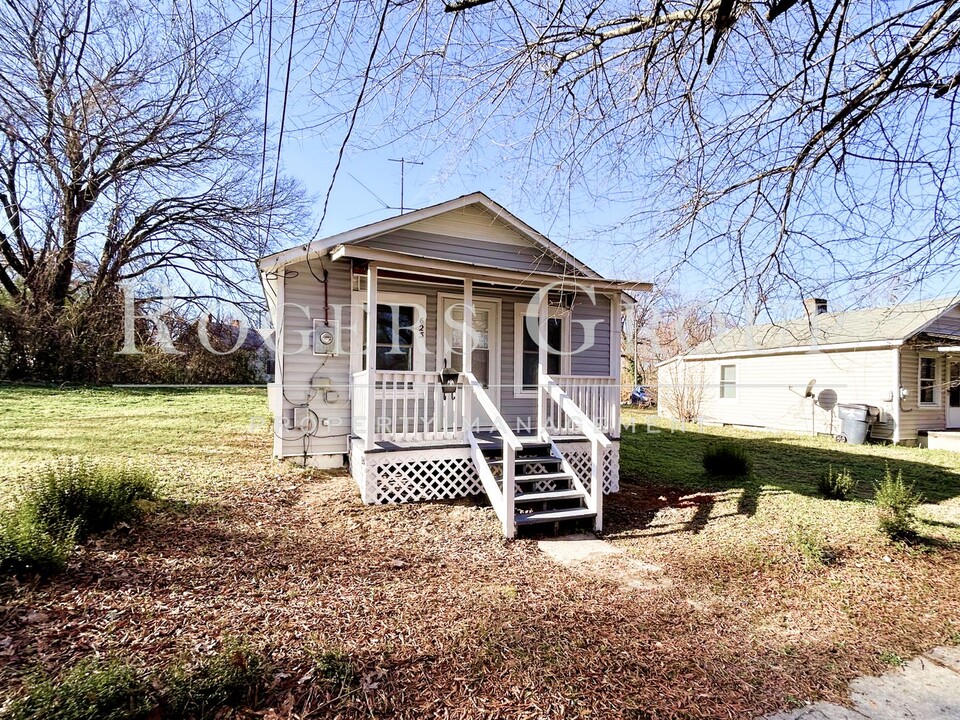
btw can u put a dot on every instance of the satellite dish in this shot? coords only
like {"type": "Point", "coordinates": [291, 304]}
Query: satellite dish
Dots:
{"type": "Point", "coordinates": [809, 391]}
{"type": "Point", "coordinates": [827, 399]}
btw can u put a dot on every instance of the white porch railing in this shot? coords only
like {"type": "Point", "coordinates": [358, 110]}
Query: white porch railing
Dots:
{"type": "Point", "coordinates": [404, 407]}
{"type": "Point", "coordinates": [553, 399]}
{"type": "Point", "coordinates": [597, 397]}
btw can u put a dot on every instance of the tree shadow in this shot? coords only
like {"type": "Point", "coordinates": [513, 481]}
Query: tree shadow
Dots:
{"type": "Point", "coordinates": [662, 468]}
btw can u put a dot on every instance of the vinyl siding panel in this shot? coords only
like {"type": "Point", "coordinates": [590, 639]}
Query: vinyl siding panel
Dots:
{"type": "Point", "coordinates": [304, 302]}
{"type": "Point", "coordinates": [449, 247]}
{"type": "Point", "coordinates": [946, 324]}
{"type": "Point", "coordinates": [913, 416]}
{"type": "Point", "coordinates": [299, 366]}
{"type": "Point", "coordinates": [770, 389]}
{"type": "Point", "coordinates": [471, 223]}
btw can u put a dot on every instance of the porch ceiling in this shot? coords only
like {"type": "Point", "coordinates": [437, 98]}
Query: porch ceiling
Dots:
{"type": "Point", "coordinates": [488, 274]}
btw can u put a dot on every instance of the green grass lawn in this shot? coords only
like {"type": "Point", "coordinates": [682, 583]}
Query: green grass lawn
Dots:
{"type": "Point", "coordinates": [198, 441]}
{"type": "Point", "coordinates": [786, 471]}
{"type": "Point", "coordinates": [761, 595]}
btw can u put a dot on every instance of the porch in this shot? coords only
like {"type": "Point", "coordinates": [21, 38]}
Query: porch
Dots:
{"type": "Point", "coordinates": [423, 435]}
{"type": "Point", "coordinates": [411, 443]}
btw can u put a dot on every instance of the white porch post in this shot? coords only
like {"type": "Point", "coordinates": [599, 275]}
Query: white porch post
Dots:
{"type": "Point", "coordinates": [467, 348]}
{"type": "Point", "coordinates": [616, 364]}
{"type": "Point", "coordinates": [371, 354]}
{"type": "Point", "coordinates": [542, 317]}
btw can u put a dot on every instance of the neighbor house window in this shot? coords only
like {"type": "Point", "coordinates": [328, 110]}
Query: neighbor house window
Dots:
{"type": "Point", "coordinates": [528, 352]}
{"type": "Point", "coordinates": [929, 391]}
{"type": "Point", "coordinates": [728, 381]}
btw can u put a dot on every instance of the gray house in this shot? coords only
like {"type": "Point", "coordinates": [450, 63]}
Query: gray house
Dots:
{"type": "Point", "coordinates": [904, 359]}
{"type": "Point", "coordinates": [491, 364]}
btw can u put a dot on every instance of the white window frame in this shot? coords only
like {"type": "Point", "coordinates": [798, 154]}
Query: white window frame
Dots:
{"type": "Point", "coordinates": [937, 374]}
{"type": "Point", "coordinates": [359, 300]}
{"type": "Point", "coordinates": [736, 381]}
{"type": "Point", "coordinates": [519, 313]}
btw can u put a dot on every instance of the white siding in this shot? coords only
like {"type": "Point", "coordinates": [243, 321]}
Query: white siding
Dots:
{"type": "Point", "coordinates": [471, 223]}
{"type": "Point", "coordinates": [912, 416]}
{"type": "Point", "coordinates": [494, 254]}
{"type": "Point", "coordinates": [770, 389]}
{"type": "Point", "coordinates": [304, 302]}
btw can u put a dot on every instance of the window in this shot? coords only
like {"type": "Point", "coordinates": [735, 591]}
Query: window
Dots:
{"type": "Point", "coordinates": [929, 391]}
{"type": "Point", "coordinates": [528, 351]}
{"type": "Point", "coordinates": [395, 333]}
{"type": "Point", "coordinates": [728, 381]}
{"type": "Point", "coordinates": [401, 331]}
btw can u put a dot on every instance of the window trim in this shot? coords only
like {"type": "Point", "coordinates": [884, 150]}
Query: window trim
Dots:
{"type": "Point", "coordinates": [937, 370]}
{"type": "Point", "coordinates": [420, 350]}
{"type": "Point", "coordinates": [519, 313]}
{"type": "Point", "coordinates": [736, 381]}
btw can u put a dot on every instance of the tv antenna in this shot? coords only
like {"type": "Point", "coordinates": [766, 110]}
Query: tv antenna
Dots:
{"type": "Point", "coordinates": [403, 163]}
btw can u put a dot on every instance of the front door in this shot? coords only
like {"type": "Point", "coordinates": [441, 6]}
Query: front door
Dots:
{"type": "Point", "coordinates": [953, 393]}
{"type": "Point", "coordinates": [485, 358]}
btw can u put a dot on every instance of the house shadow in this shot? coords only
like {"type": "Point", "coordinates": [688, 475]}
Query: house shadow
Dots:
{"type": "Point", "coordinates": [662, 469]}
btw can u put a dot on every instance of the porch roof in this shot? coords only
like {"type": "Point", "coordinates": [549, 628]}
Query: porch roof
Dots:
{"type": "Point", "coordinates": [490, 274]}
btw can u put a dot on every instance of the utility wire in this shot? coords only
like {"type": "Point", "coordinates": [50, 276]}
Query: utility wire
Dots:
{"type": "Point", "coordinates": [353, 117]}
{"type": "Point", "coordinates": [266, 100]}
{"type": "Point", "coordinates": [283, 120]}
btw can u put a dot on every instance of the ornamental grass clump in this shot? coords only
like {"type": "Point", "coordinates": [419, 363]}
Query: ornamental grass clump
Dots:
{"type": "Point", "coordinates": [896, 501]}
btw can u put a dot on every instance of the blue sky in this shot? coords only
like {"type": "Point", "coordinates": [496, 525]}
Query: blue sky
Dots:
{"type": "Point", "coordinates": [569, 214]}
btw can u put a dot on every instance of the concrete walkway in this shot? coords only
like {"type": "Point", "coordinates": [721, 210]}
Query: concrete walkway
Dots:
{"type": "Point", "coordinates": [926, 688]}
{"type": "Point", "coordinates": [585, 554]}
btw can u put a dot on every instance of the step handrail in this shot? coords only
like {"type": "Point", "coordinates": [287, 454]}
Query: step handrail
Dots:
{"type": "Point", "coordinates": [547, 387]}
{"type": "Point", "coordinates": [503, 503]}
{"type": "Point", "coordinates": [570, 408]}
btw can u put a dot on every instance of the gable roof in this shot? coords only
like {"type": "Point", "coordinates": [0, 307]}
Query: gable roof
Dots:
{"type": "Point", "coordinates": [365, 232]}
{"type": "Point", "coordinates": [891, 325]}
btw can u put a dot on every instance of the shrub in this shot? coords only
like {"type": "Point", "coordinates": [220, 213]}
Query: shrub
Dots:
{"type": "Point", "coordinates": [811, 545]}
{"type": "Point", "coordinates": [91, 690]}
{"type": "Point", "coordinates": [76, 497]}
{"type": "Point", "coordinates": [895, 504]}
{"type": "Point", "coordinates": [26, 548]}
{"type": "Point", "coordinates": [335, 667]}
{"type": "Point", "coordinates": [837, 486]}
{"type": "Point", "coordinates": [236, 675]}
{"type": "Point", "coordinates": [726, 459]}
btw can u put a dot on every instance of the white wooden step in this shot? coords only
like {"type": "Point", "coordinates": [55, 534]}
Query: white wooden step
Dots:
{"type": "Point", "coordinates": [541, 459]}
{"type": "Point", "coordinates": [548, 495]}
{"type": "Point", "coordinates": [544, 476]}
{"type": "Point", "coordinates": [553, 516]}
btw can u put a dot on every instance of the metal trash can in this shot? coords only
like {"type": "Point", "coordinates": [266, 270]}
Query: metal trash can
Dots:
{"type": "Point", "coordinates": [856, 420]}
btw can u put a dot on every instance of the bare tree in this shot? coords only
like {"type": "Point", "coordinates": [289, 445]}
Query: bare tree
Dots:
{"type": "Point", "coordinates": [779, 145]}
{"type": "Point", "coordinates": [660, 327]}
{"type": "Point", "coordinates": [681, 390]}
{"type": "Point", "coordinates": [128, 153]}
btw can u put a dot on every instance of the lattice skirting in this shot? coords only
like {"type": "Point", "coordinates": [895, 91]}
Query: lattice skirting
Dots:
{"type": "Point", "coordinates": [414, 475]}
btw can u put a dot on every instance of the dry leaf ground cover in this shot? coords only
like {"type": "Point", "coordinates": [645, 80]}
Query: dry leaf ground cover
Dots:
{"type": "Point", "coordinates": [774, 596]}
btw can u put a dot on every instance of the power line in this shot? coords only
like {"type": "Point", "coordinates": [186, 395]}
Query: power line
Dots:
{"type": "Point", "coordinates": [266, 101]}
{"type": "Point", "coordinates": [283, 120]}
{"type": "Point", "coordinates": [353, 117]}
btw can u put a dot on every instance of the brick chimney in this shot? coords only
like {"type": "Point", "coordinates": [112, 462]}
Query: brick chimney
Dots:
{"type": "Point", "coordinates": [815, 306]}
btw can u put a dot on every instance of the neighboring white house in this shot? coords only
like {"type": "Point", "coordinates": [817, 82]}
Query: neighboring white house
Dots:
{"type": "Point", "coordinates": [904, 359]}
{"type": "Point", "coordinates": [528, 408]}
